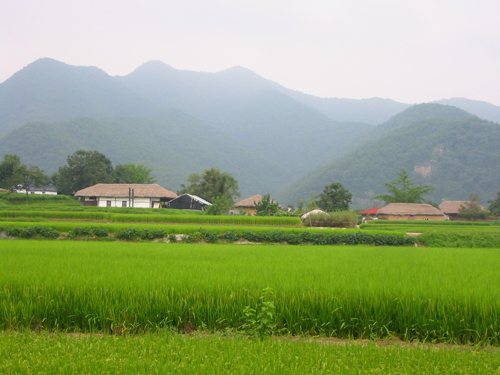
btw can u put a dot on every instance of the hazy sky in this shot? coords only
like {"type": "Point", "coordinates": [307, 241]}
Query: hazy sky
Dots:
{"type": "Point", "coordinates": [409, 51]}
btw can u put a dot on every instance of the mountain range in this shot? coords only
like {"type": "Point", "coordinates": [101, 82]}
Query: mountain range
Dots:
{"type": "Point", "coordinates": [272, 139]}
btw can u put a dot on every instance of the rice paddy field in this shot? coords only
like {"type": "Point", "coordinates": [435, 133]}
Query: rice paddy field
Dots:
{"type": "Point", "coordinates": [93, 306]}
{"type": "Point", "coordinates": [413, 294]}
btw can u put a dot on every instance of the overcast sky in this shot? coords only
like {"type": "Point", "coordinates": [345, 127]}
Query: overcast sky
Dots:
{"type": "Point", "coordinates": [409, 51]}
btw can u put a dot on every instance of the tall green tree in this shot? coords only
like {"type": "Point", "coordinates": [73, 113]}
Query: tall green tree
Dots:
{"type": "Point", "coordinates": [133, 174]}
{"type": "Point", "coordinates": [335, 197]}
{"type": "Point", "coordinates": [84, 169]}
{"type": "Point", "coordinates": [267, 207]}
{"type": "Point", "coordinates": [210, 184]}
{"type": "Point", "coordinates": [404, 190]}
{"type": "Point", "coordinates": [25, 177]}
{"type": "Point", "coordinates": [472, 210]}
{"type": "Point", "coordinates": [494, 205]}
{"type": "Point", "coordinates": [7, 168]}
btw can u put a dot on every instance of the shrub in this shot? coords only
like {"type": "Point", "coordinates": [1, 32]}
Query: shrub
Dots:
{"type": "Point", "coordinates": [342, 219]}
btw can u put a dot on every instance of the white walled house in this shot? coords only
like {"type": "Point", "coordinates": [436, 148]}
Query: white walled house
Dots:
{"type": "Point", "coordinates": [125, 195]}
{"type": "Point", "coordinates": [47, 190]}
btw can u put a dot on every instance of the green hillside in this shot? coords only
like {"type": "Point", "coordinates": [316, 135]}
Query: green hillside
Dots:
{"type": "Point", "coordinates": [49, 90]}
{"type": "Point", "coordinates": [458, 157]}
{"type": "Point", "coordinates": [173, 145]}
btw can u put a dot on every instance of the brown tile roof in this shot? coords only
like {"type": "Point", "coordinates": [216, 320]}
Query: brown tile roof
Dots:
{"type": "Point", "coordinates": [452, 207]}
{"type": "Point", "coordinates": [121, 190]}
{"type": "Point", "coordinates": [3, 190]}
{"type": "Point", "coordinates": [410, 209]}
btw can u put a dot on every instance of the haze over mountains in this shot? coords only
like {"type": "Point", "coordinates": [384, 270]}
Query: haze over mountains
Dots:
{"type": "Point", "coordinates": [272, 139]}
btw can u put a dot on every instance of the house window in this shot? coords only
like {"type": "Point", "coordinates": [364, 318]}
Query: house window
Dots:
{"type": "Point", "coordinates": [108, 203]}
{"type": "Point", "coordinates": [124, 203]}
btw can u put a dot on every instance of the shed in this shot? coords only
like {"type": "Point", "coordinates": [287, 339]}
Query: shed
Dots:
{"type": "Point", "coordinates": [247, 205]}
{"type": "Point", "coordinates": [188, 202]}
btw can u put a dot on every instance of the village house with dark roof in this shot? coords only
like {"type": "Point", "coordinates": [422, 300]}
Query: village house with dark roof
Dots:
{"type": "Point", "coordinates": [125, 195]}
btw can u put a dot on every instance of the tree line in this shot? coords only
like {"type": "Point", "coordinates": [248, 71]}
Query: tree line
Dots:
{"type": "Point", "coordinates": [83, 169]}
{"type": "Point", "coordinates": [86, 168]}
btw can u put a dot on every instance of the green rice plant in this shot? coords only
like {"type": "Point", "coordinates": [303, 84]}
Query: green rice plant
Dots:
{"type": "Point", "coordinates": [414, 294]}
{"type": "Point", "coordinates": [170, 353]}
{"type": "Point", "coordinates": [208, 219]}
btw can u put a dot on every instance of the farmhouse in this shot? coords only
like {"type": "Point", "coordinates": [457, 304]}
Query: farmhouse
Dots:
{"type": "Point", "coordinates": [188, 202]}
{"type": "Point", "coordinates": [247, 206]}
{"type": "Point", "coordinates": [125, 195]}
{"type": "Point", "coordinates": [48, 190]}
{"type": "Point", "coordinates": [451, 208]}
{"type": "Point", "coordinates": [410, 211]}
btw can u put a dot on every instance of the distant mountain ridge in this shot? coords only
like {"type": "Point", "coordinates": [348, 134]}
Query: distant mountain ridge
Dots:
{"type": "Point", "coordinates": [179, 122]}
{"type": "Point", "coordinates": [441, 146]}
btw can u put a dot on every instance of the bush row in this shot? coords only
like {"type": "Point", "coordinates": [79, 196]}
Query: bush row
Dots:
{"type": "Point", "coordinates": [31, 232]}
{"type": "Point", "coordinates": [292, 238]}
{"type": "Point", "coordinates": [332, 238]}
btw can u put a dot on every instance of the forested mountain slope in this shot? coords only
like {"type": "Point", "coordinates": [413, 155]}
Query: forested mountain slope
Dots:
{"type": "Point", "coordinates": [173, 145]}
{"type": "Point", "coordinates": [49, 90]}
{"type": "Point", "coordinates": [458, 157]}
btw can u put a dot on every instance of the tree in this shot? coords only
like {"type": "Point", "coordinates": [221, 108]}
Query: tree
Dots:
{"type": "Point", "coordinates": [25, 177]}
{"type": "Point", "coordinates": [84, 169]}
{"type": "Point", "coordinates": [472, 210]}
{"type": "Point", "coordinates": [210, 184]}
{"type": "Point", "coordinates": [220, 206]}
{"type": "Point", "coordinates": [133, 174]}
{"type": "Point", "coordinates": [7, 167]}
{"type": "Point", "coordinates": [403, 190]}
{"type": "Point", "coordinates": [335, 197]}
{"type": "Point", "coordinates": [494, 205]}
{"type": "Point", "coordinates": [267, 207]}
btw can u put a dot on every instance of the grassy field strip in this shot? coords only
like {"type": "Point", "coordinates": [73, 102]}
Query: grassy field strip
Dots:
{"type": "Point", "coordinates": [28, 353]}
{"type": "Point", "coordinates": [66, 226]}
{"type": "Point", "coordinates": [434, 229]}
{"type": "Point", "coordinates": [344, 291]}
{"type": "Point", "coordinates": [156, 218]}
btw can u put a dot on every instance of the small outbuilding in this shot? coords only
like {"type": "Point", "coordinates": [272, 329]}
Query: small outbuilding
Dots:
{"type": "Point", "coordinates": [410, 211]}
{"type": "Point", "coordinates": [188, 202]}
{"type": "Point", "coordinates": [451, 209]}
{"type": "Point", "coordinates": [125, 195]}
{"type": "Point", "coordinates": [247, 206]}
